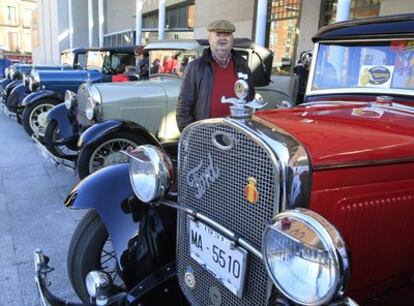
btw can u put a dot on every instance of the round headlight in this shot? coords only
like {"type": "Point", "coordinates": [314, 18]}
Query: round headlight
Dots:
{"type": "Point", "coordinates": [305, 257]}
{"type": "Point", "coordinates": [150, 172]}
{"type": "Point", "coordinates": [6, 73]}
{"type": "Point", "coordinates": [89, 108]}
{"type": "Point", "coordinates": [69, 98]}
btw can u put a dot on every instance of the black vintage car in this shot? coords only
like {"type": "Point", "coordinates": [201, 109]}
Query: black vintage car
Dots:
{"type": "Point", "coordinates": [299, 206]}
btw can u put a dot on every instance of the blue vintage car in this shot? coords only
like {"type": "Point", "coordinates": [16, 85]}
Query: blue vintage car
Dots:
{"type": "Point", "coordinates": [16, 76]}
{"type": "Point", "coordinates": [47, 88]}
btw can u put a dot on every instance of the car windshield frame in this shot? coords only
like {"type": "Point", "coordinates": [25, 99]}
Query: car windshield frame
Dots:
{"type": "Point", "coordinates": [369, 66]}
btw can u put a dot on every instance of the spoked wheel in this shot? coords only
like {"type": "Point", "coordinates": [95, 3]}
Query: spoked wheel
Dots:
{"type": "Point", "coordinates": [106, 152]}
{"type": "Point", "coordinates": [91, 249]}
{"type": "Point", "coordinates": [52, 136]}
{"type": "Point", "coordinates": [34, 117]}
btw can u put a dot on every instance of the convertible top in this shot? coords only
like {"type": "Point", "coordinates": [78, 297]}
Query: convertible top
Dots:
{"type": "Point", "coordinates": [391, 26]}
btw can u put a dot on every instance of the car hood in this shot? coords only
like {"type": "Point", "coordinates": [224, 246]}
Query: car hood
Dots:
{"type": "Point", "coordinates": [64, 76]}
{"type": "Point", "coordinates": [146, 89]}
{"type": "Point", "coordinates": [348, 135]}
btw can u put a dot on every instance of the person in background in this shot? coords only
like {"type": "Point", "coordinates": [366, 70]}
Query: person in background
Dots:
{"type": "Point", "coordinates": [142, 68]}
{"type": "Point", "coordinates": [4, 63]}
{"type": "Point", "coordinates": [208, 78]}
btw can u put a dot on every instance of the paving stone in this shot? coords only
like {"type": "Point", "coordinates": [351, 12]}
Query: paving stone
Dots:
{"type": "Point", "coordinates": [10, 287]}
{"type": "Point", "coordinates": [32, 215]}
{"type": "Point", "coordinates": [19, 171]}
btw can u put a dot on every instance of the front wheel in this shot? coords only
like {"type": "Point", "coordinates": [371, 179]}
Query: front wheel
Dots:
{"type": "Point", "coordinates": [106, 152]}
{"type": "Point", "coordinates": [91, 249]}
{"type": "Point", "coordinates": [34, 116]}
{"type": "Point", "coordinates": [52, 136]}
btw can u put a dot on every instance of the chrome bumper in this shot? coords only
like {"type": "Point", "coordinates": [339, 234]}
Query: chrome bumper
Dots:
{"type": "Point", "coordinates": [67, 164]}
{"type": "Point", "coordinates": [8, 113]}
{"type": "Point", "coordinates": [47, 298]}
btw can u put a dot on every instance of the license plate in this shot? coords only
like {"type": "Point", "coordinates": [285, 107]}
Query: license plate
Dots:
{"type": "Point", "coordinates": [216, 254]}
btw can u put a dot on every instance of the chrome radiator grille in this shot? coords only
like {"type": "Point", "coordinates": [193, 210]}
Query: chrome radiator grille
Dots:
{"type": "Point", "coordinates": [224, 202]}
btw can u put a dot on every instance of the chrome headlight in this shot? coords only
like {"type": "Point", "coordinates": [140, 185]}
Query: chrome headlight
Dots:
{"type": "Point", "coordinates": [34, 80]}
{"type": "Point", "coordinates": [150, 172]}
{"type": "Point", "coordinates": [69, 99]}
{"type": "Point", "coordinates": [6, 73]}
{"type": "Point", "coordinates": [93, 102]}
{"type": "Point", "coordinates": [305, 257]}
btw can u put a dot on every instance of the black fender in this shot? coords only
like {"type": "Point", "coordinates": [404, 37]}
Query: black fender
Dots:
{"type": "Point", "coordinates": [68, 129]}
{"type": "Point", "coordinates": [41, 94]}
{"type": "Point", "coordinates": [12, 85]}
{"type": "Point", "coordinates": [16, 97]}
{"type": "Point", "coordinates": [99, 130]}
{"type": "Point", "coordinates": [4, 82]}
{"type": "Point", "coordinates": [143, 236]}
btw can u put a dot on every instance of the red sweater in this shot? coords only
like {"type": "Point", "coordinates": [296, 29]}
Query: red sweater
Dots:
{"type": "Point", "coordinates": [223, 85]}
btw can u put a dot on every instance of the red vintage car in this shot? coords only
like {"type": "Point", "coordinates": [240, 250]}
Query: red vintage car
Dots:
{"type": "Point", "coordinates": [311, 205]}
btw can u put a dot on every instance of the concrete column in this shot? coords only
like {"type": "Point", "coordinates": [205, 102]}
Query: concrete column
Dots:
{"type": "Point", "coordinates": [90, 22]}
{"type": "Point", "coordinates": [161, 19]}
{"type": "Point", "coordinates": [138, 22]}
{"type": "Point", "coordinates": [260, 36]}
{"type": "Point", "coordinates": [343, 9]}
{"type": "Point", "coordinates": [101, 23]}
{"type": "Point", "coordinates": [54, 32]}
{"type": "Point", "coordinates": [70, 19]}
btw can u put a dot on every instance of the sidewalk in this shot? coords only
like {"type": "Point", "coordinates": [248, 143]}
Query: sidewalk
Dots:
{"type": "Point", "coordinates": [32, 215]}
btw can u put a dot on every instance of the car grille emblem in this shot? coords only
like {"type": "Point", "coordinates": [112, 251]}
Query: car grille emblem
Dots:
{"type": "Point", "coordinates": [251, 193]}
{"type": "Point", "coordinates": [202, 179]}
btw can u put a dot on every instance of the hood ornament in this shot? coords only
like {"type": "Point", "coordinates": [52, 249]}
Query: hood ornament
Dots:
{"type": "Point", "coordinates": [240, 108]}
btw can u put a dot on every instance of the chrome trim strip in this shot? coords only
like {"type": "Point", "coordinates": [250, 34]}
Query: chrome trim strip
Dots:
{"type": "Point", "coordinates": [218, 227]}
{"type": "Point", "coordinates": [294, 160]}
{"type": "Point", "coordinates": [57, 161]}
{"type": "Point", "coordinates": [365, 164]}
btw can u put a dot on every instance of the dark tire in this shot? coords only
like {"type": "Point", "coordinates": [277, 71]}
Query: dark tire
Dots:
{"type": "Point", "coordinates": [37, 111]}
{"type": "Point", "coordinates": [51, 136]}
{"type": "Point", "coordinates": [85, 164]}
{"type": "Point", "coordinates": [85, 253]}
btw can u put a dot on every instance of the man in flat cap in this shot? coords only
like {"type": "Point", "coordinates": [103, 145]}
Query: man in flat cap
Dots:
{"type": "Point", "coordinates": [206, 79]}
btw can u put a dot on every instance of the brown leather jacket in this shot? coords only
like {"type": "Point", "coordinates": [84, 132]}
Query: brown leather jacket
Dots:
{"type": "Point", "coordinates": [197, 83]}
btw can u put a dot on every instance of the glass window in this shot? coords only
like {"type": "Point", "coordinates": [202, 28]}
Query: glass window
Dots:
{"type": "Point", "coordinates": [13, 41]}
{"type": "Point", "coordinates": [170, 61]}
{"type": "Point", "coordinates": [27, 20]}
{"type": "Point", "coordinates": [283, 19]}
{"type": "Point", "coordinates": [11, 15]}
{"type": "Point", "coordinates": [383, 65]}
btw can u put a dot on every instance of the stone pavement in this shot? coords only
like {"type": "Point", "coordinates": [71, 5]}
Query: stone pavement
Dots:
{"type": "Point", "coordinates": [32, 215]}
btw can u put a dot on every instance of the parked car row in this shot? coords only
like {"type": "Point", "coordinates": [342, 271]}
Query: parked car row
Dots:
{"type": "Point", "coordinates": [304, 205]}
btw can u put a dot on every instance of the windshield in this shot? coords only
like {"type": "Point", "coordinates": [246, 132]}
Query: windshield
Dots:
{"type": "Point", "coordinates": [365, 65]}
{"type": "Point", "coordinates": [170, 61]}
{"type": "Point", "coordinates": [67, 58]}
{"type": "Point", "coordinates": [95, 59]}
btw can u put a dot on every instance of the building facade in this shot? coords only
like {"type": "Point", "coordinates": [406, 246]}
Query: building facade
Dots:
{"type": "Point", "coordinates": [16, 28]}
{"type": "Point", "coordinates": [288, 25]}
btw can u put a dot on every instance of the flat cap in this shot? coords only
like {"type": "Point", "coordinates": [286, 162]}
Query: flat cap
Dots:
{"type": "Point", "coordinates": [221, 26]}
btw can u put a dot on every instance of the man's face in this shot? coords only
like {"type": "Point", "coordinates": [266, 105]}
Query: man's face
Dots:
{"type": "Point", "coordinates": [220, 43]}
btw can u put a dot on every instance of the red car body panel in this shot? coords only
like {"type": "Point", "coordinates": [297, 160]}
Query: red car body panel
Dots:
{"type": "Point", "coordinates": [348, 134]}
{"type": "Point", "coordinates": [362, 179]}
